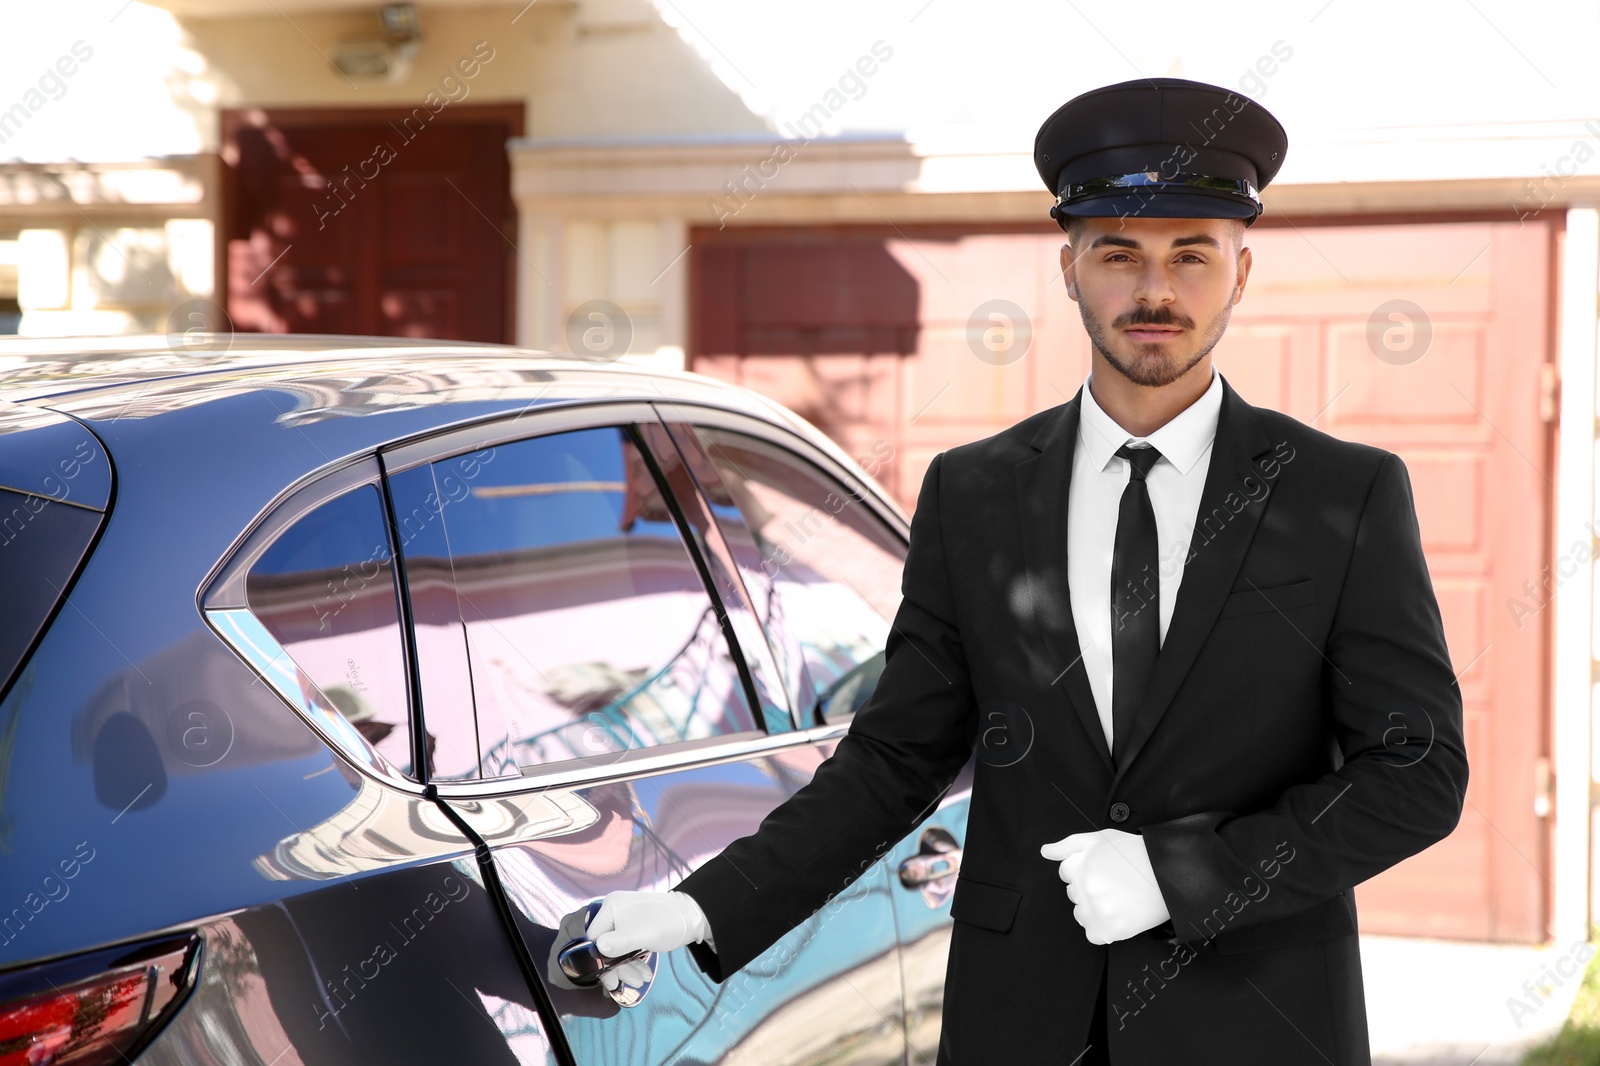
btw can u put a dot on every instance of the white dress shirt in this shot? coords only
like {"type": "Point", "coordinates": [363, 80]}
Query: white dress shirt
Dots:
{"type": "Point", "coordinates": [1094, 498]}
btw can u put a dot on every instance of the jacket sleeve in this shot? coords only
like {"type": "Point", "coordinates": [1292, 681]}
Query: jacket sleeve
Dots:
{"type": "Point", "coordinates": [1396, 714]}
{"type": "Point", "coordinates": [903, 750]}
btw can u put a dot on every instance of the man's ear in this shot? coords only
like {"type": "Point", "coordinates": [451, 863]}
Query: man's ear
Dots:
{"type": "Point", "coordinates": [1244, 274]}
{"type": "Point", "coordinates": [1068, 271]}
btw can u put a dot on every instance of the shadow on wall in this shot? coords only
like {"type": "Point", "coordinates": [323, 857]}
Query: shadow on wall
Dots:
{"type": "Point", "coordinates": [812, 313]}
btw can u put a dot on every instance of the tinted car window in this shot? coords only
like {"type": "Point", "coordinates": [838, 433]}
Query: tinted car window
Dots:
{"type": "Point", "coordinates": [823, 570]}
{"type": "Point", "coordinates": [42, 544]}
{"type": "Point", "coordinates": [724, 574]}
{"type": "Point", "coordinates": [325, 589]}
{"type": "Point", "coordinates": [589, 630]}
{"type": "Point", "coordinates": [55, 485]}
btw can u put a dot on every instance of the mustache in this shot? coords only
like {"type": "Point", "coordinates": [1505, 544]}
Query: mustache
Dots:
{"type": "Point", "coordinates": [1151, 316]}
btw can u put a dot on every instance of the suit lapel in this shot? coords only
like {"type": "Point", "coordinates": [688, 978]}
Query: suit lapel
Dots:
{"type": "Point", "coordinates": [1042, 481]}
{"type": "Point", "coordinates": [1230, 510]}
{"type": "Point", "coordinates": [1225, 523]}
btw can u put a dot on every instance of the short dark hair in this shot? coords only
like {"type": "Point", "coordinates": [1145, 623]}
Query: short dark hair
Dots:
{"type": "Point", "coordinates": [1076, 223]}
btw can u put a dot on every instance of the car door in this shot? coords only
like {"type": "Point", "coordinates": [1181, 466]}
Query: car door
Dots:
{"type": "Point", "coordinates": [378, 937]}
{"type": "Point", "coordinates": [823, 560]}
{"type": "Point", "coordinates": [629, 723]}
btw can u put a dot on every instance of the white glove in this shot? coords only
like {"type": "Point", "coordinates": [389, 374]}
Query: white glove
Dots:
{"type": "Point", "coordinates": [654, 921]}
{"type": "Point", "coordinates": [1109, 878]}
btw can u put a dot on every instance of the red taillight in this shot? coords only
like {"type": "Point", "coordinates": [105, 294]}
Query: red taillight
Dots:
{"type": "Point", "coordinates": [96, 1008]}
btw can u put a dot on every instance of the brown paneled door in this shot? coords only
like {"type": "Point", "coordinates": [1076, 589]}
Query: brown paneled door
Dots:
{"type": "Point", "coordinates": [381, 222]}
{"type": "Point", "coordinates": [1429, 339]}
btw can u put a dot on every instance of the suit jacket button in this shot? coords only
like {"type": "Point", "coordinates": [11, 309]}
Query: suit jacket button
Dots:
{"type": "Point", "coordinates": [1119, 812]}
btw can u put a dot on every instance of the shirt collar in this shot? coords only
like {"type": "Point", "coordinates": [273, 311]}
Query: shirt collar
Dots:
{"type": "Point", "coordinates": [1181, 441]}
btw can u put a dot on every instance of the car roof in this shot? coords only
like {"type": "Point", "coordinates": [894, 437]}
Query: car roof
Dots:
{"type": "Point", "coordinates": [106, 381]}
{"type": "Point", "coordinates": [34, 368]}
{"type": "Point", "coordinates": [83, 375]}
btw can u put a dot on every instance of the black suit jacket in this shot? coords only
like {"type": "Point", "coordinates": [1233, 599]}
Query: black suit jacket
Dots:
{"type": "Point", "coordinates": [1301, 732]}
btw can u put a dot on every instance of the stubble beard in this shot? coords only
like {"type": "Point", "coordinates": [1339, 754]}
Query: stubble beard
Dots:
{"type": "Point", "coordinates": [1149, 365]}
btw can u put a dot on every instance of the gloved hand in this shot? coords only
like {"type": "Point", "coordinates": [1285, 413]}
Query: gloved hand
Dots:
{"type": "Point", "coordinates": [629, 921]}
{"type": "Point", "coordinates": [1110, 880]}
{"type": "Point", "coordinates": [654, 921]}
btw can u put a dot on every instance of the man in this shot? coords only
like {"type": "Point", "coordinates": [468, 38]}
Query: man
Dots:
{"type": "Point", "coordinates": [1217, 622]}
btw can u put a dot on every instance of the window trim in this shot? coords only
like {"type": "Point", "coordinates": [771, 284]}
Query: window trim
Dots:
{"type": "Point", "coordinates": [739, 422]}
{"type": "Point", "coordinates": [647, 762]}
{"type": "Point", "coordinates": [502, 429]}
{"type": "Point", "coordinates": [223, 587]}
{"type": "Point", "coordinates": [222, 599]}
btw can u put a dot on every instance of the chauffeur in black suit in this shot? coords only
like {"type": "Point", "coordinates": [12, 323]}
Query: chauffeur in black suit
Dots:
{"type": "Point", "coordinates": [1216, 625]}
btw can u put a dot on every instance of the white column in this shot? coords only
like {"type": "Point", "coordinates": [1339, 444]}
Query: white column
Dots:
{"type": "Point", "coordinates": [538, 265]}
{"type": "Point", "coordinates": [1575, 623]}
{"type": "Point", "coordinates": [673, 297]}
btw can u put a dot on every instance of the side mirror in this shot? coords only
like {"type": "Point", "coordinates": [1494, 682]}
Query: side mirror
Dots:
{"type": "Point", "coordinates": [850, 692]}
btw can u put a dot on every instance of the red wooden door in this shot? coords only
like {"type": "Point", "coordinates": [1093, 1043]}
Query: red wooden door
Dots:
{"type": "Point", "coordinates": [906, 341]}
{"type": "Point", "coordinates": [370, 222]}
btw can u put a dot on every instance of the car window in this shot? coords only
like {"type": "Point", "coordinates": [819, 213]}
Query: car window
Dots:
{"type": "Point", "coordinates": [821, 567]}
{"type": "Point", "coordinates": [325, 589]}
{"type": "Point", "coordinates": [55, 486]}
{"type": "Point", "coordinates": [724, 575]}
{"type": "Point", "coordinates": [588, 629]}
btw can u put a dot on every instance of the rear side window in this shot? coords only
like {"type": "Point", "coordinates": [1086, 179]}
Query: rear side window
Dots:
{"type": "Point", "coordinates": [55, 486]}
{"type": "Point", "coordinates": [588, 629]}
{"type": "Point", "coordinates": [42, 543]}
{"type": "Point", "coordinates": [325, 590]}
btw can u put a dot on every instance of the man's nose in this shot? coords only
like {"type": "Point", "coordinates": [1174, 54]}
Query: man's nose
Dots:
{"type": "Point", "coordinates": [1155, 285]}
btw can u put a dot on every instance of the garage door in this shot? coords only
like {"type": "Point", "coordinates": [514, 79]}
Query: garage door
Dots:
{"type": "Point", "coordinates": [1427, 339]}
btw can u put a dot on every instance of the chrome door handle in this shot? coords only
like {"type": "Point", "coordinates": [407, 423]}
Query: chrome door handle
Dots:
{"type": "Point", "coordinates": [924, 869]}
{"type": "Point", "coordinates": [933, 869]}
{"type": "Point", "coordinates": [583, 964]}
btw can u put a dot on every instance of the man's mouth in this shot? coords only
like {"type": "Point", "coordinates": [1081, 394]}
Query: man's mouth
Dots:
{"type": "Point", "coordinates": [1152, 333]}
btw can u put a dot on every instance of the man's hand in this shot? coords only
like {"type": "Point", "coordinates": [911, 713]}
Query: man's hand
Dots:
{"type": "Point", "coordinates": [632, 921]}
{"type": "Point", "coordinates": [1109, 878]}
{"type": "Point", "coordinates": [654, 921]}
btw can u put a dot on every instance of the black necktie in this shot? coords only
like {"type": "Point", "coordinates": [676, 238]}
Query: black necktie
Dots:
{"type": "Point", "coordinates": [1135, 597]}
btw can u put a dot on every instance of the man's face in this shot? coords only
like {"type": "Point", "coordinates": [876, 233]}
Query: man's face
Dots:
{"type": "Point", "coordinates": [1155, 293]}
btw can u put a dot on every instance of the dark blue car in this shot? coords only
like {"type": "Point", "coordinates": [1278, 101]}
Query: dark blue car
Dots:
{"type": "Point", "coordinates": [334, 672]}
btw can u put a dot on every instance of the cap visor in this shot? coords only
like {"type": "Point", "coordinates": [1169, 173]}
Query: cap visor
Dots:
{"type": "Point", "coordinates": [1161, 205]}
